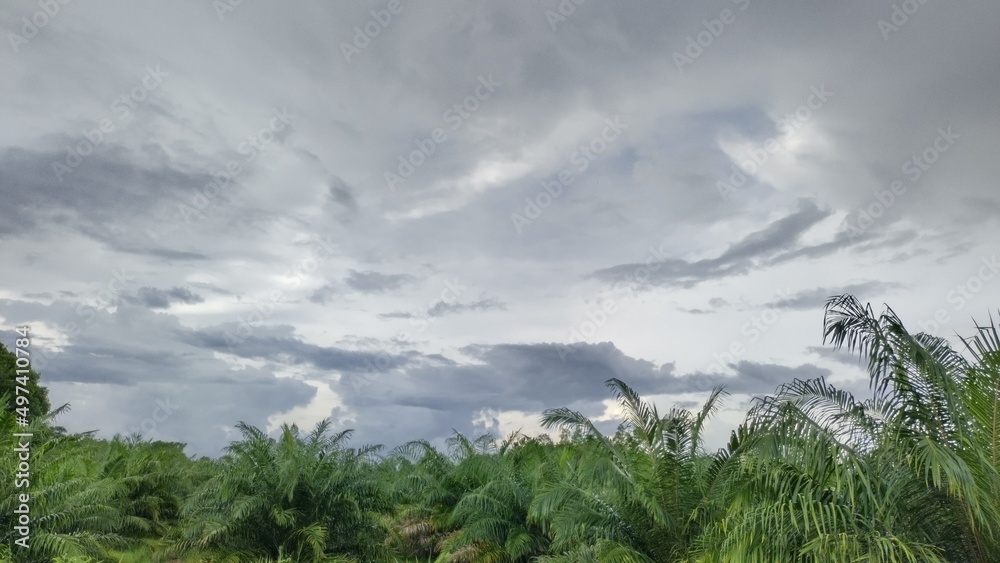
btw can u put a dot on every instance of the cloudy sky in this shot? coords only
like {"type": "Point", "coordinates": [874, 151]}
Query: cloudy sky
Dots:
{"type": "Point", "coordinates": [419, 218]}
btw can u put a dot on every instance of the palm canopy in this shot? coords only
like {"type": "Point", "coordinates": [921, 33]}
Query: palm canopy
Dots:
{"type": "Point", "coordinates": [906, 475]}
{"type": "Point", "coordinates": [638, 498]}
{"type": "Point", "coordinates": [306, 497]}
{"type": "Point", "coordinates": [931, 392]}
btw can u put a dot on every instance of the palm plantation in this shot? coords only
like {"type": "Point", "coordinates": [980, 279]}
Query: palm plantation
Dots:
{"type": "Point", "coordinates": [908, 473]}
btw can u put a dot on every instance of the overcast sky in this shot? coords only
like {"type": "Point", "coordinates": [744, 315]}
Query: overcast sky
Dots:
{"type": "Point", "coordinates": [419, 218]}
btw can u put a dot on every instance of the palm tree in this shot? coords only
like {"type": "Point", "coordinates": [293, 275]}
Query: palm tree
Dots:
{"type": "Point", "coordinates": [644, 498]}
{"type": "Point", "coordinates": [80, 504]}
{"type": "Point", "coordinates": [489, 522]}
{"type": "Point", "coordinates": [945, 409]}
{"type": "Point", "coordinates": [425, 491]}
{"type": "Point", "coordinates": [305, 498]}
{"type": "Point", "coordinates": [981, 395]}
{"type": "Point", "coordinates": [902, 476]}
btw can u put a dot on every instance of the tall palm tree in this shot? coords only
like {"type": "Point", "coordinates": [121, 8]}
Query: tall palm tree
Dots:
{"type": "Point", "coordinates": [902, 476]}
{"type": "Point", "coordinates": [305, 498]}
{"type": "Point", "coordinates": [490, 520]}
{"type": "Point", "coordinates": [945, 409]}
{"type": "Point", "coordinates": [642, 499]}
{"type": "Point", "coordinates": [981, 394]}
{"type": "Point", "coordinates": [71, 511]}
{"type": "Point", "coordinates": [425, 491]}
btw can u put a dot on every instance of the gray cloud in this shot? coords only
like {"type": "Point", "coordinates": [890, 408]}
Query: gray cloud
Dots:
{"type": "Point", "coordinates": [278, 343]}
{"type": "Point", "coordinates": [697, 311]}
{"type": "Point", "coordinates": [324, 294]}
{"type": "Point", "coordinates": [109, 362]}
{"type": "Point", "coordinates": [841, 356]}
{"type": "Point", "coordinates": [107, 187]}
{"type": "Point", "coordinates": [815, 299]}
{"type": "Point", "coordinates": [375, 282]}
{"type": "Point", "coordinates": [159, 203]}
{"type": "Point", "coordinates": [442, 308]}
{"type": "Point", "coordinates": [770, 245]}
{"type": "Point", "coordinates": [155, 298]}
{"type": "Point", "coordinates": [342, 194]}
{"type": "Point", "coordinates": [398, 315]}
{"type": "Point", "coordinates": [445, 308]}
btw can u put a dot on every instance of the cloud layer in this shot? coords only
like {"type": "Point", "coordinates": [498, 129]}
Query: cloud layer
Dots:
{"type": "Point", "coordinates": [454, 216]}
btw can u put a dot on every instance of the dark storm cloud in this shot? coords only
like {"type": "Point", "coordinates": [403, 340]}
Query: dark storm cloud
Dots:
{"type": "Point", "coordinates": [522, 377]}
{"type": "Point", "coordinates": [105, 188]}
{"type": "Point", "coordinates": [697, 311]}
{"type": "Point", "coordinates": [278, 343]}
{"type": "Point", "coordinates": [164, 253]}
{"type": "Point", "coordinates": [751, 378]}
{"type": "Point", "coordinates": [778, 235]}
{"type": "Point", "coordinates": [757, 250]}
{"type": "Point", "coordinates": [841, 356]}
{"type": "Point", "coordinates": [116, 365]}
{"type": "Point", "coordinates": [531, 378]}
{"type": "Point", "coordinates": [376, 282]}
{"type": "Point", "coordinates": [761, 379]}
{"type": "Point", "coordinates": [323, 294]}
{"type": "Point", "coordinates": [342, 193]}
{"type": "Point", "coordinates": [398, 315]}
{"type": "Point", "coordinates": [445, 308]}
{"type": "Point", "coordinates": [841, 241]}
{"type": "Point", "coordinates": [442, 308]}
{"type": "Point", "coordinates": [155, 298]}
{"type": "Point", "coordinates": [817, 298]}
{"type": "Point", "coordinates": [586, 368]}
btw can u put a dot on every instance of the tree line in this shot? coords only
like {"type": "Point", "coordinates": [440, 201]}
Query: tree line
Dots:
{"type": "Point", "coordinates": [909, 474]}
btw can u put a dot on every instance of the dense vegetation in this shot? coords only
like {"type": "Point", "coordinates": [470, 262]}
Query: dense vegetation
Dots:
{"type": "Point", "coordinates": [813, 475]}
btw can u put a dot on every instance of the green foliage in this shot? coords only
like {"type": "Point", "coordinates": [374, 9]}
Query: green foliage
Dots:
{"type": "Point", "coordinates": [910, 473]}
{"type": "Point", "coordinates": [37, 394]}
{"type": "Point", "coordinates": [306, 498]}
{"type": "Point", "coordinates": [87, 496]}
{"type": "Point", "coordinates": [642, 496]}
{"type": "Point", "coordinates": [903, 476]}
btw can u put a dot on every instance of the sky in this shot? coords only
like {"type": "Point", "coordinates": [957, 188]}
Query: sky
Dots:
{"type": "Point", "coordinates": [422, 218]}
